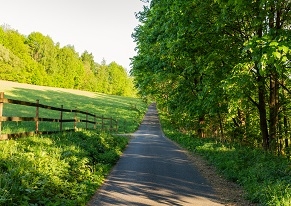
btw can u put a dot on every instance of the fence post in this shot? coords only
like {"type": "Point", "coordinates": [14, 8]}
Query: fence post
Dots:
{"type": "Point", "coordinates": [1, 110]}
{"type": "Point", "coordinates": [75, 123]}
{"type": "Point", "coordinates": [111, 125]}
{"type": "Point", "coordinates": [36, 116]}
{"type": "Point", "coordinates": [116, 130]}
{"type": "Point", "coordinates": [102, 127]}
{"type": "Point", "coordinates": [61, 119]}
{"type": "Point", "coordinates": [86, 120]}
{"type": "Point", "coordinates": [95, 121]}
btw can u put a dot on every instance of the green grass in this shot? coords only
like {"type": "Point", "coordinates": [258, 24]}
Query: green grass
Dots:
{"type": "Point", "coordinates": [65, 168]}
{"type": "Point", "coordinates": [265, 178]}
{"type": "Point", "coordinates": [56, 170]}
{"type": "Point", "coordinates": [128, 111]}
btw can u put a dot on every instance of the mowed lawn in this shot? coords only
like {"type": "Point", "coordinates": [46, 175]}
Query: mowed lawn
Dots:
{"type": "Point", "coordinates": [126, 110]}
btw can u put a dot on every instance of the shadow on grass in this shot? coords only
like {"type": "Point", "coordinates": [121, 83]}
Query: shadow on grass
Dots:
{"type": "Point", "coordinates": [266, 178]}
{"type": "Point", "coordinates": [128, 111]}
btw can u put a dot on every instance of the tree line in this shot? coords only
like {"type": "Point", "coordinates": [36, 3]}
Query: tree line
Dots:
{"type": "Point", "coordinates": [37, 59]}
{"type": "Point", "coordinates": [219, 67]}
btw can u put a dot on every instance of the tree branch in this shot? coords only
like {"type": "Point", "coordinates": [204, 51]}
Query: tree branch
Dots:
{"type": "Point", "coordinates": [253, 101]}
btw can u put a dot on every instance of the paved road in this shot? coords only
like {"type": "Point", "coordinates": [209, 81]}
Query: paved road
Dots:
{"type": "Point", "coordinates": [154, 171]}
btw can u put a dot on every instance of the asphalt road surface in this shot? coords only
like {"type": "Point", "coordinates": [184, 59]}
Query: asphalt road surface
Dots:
{"type": "Point", "coordinates": [154, 171]}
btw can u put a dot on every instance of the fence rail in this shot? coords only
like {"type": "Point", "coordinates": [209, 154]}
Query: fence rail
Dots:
{"type": "Point", "coordinates": [103, 121]}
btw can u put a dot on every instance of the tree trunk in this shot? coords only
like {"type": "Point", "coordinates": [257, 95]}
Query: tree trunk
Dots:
{"type": "Point", "coordinates": [273, 105]}
{"type": "Point", "coordinates": [201, 127]}
{"type": "Point", "coordinates": [242, 121]}
{"type": "Point", "coordinates": [285, 120]}
{"type": "Point", "coordinates": [262, 101]}
{"type": "Point", "coordinates": [221, 127]}
{"type": "Point", "coordinates": [286, 131]}
{"type": "Point", "coordinates": [262, 112]}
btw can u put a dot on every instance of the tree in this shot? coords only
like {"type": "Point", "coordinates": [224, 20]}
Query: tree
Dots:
{"type": "Point", "coordinates": [218, 62]}
{"type": "Point", "coordinates": [44, 51]}
{"type": "Point", "coordinates": [88, 79]}
{"type": "Point", "coordinates": [70, 68]}
{"type": "Point", "coordinates": [36, 59]}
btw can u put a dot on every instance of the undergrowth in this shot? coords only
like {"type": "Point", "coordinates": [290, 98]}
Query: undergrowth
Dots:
{"type": "Point", "coordinates": [63, 169]}
{"type": "Point", "coordinates": [265, 178]}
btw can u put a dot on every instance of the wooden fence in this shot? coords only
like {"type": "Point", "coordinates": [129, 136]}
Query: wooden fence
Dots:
{"type": "Point", "coordinates": [104, 122]}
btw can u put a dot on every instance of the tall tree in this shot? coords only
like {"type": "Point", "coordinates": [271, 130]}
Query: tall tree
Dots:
{"type": "Point", "coordinates": [217, 61]}
{"type": "Point", "coordinates": [43, 50]}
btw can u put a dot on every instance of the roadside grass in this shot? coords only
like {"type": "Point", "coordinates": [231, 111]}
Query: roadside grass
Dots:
{"type": "Point", "coordinates": [64, 168]}
{"type": "Point", "coordinates": [265, 178]}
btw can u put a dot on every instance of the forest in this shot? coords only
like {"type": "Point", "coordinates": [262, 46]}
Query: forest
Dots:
{"type": "Point", "coordinates": [37, 59]}
{"type": "Point", "coordinates": [219, 68]}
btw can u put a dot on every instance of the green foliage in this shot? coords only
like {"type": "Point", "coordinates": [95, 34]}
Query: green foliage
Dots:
{"type": "Point", "coordinates": [37, 60]}
{"type": "Point", "coordinates": [219, 68]}
{"type": "Point", "coordinates": [265, 177]}
{"type": "Point", "coordinates": [64, 169]}
{"type": "Point", "coordinates": [56, 170]}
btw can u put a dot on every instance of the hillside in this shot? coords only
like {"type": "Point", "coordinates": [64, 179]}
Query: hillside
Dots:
{"type": "Point", "coordinates": [63, 168]}
{"type": "Point", "coordinates": [37, 59]}
{"type": "Point", "coordinates": [126, 110]}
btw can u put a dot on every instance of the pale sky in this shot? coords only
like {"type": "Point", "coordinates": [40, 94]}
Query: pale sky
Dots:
{"type": "Point", "coordinates": [102, 27]}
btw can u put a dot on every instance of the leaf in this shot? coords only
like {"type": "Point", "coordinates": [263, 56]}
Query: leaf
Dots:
{"type": "Point", "coordinates": [274, 43]}
{"type": "Point", "coordinates": [283, 48]}
{"type": "Point", "coordinates": [277, 54]}
{"type": "Point", "coordinates": [284, 59]}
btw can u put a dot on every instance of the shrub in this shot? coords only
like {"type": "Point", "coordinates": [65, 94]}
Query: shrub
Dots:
{"type": "Point", "coordinates": [56, 170]}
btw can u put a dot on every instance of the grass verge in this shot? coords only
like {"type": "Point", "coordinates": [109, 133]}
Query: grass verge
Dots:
{"type": "Point", "coordinates": [56, 170]}
{"type": "Point", "coordinates": [265, 178]}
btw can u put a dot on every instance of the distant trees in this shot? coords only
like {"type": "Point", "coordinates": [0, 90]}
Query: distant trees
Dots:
{"type": "Point", "coordinates": [36, 59]}
{"type": "Point", "coordinates": [220, 68]}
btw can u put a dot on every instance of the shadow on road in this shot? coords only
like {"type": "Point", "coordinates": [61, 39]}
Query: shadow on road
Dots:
{"type": "Point", "coordinates": [154, 171]}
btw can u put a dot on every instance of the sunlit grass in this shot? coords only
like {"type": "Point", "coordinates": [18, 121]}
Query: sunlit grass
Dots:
{"type": "Point", "coordinates": [56, 170]}
{"type": "Point", "coordinates": [126, 110]}
{"type": "Point", "coordinates": [65, 168]}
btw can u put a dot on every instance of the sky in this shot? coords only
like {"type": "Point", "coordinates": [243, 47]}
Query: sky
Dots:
{"type": "Point", "coordinates": [102, 27]}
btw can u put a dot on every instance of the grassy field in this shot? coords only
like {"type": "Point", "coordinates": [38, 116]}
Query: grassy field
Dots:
{"type": "Point", "coordinates": [61, 169]}
{"type": "Point", "coordinates": [128, 111]}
